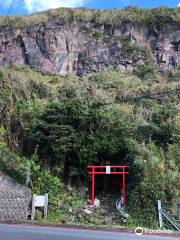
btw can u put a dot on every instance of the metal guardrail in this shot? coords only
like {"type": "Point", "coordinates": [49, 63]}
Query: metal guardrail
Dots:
{"type": "Point", "coordinates": [166, 212]}
{"type": "Point", "coordinates": [174, 224]}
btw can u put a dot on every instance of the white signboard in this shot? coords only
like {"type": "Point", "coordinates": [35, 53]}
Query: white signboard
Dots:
{"type": "Point", "coordinates": [108, 170]}
{"type": "Point", "coordinates": [39, 201]}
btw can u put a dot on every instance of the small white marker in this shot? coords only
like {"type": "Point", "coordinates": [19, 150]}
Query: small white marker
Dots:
{"type": "Point", "coordinates": [108, 170]}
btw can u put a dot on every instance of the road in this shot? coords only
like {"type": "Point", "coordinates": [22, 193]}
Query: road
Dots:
{"type": "Point", "coordinates": [20, 232]}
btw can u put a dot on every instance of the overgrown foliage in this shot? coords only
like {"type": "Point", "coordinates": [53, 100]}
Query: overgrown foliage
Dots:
{"type": "Point", "coordinates": [56, 126]}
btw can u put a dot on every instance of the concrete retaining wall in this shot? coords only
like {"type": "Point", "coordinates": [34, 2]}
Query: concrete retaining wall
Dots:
{"type": "Point", "coordinates": [14, 199]}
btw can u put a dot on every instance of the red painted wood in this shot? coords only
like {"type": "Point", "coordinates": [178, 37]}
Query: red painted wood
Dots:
{"type": "Point", "coordinates": [124, 190]}
{"type": "Point", "coordinates": [95, 167]}
{"type": "Point", "coordinates": [123, 173]}
{"type": "Point", "coordinates": [117, 173]}
{"type": "Point", "coordinates": [93, 190]}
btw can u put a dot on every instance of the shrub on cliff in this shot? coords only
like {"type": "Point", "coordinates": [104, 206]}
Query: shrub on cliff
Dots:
{"type": "Point", "coordinates": [145, 70]}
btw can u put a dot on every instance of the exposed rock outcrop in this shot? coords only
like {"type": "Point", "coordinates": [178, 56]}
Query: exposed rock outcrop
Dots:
{"type": "Point", "coordinates": [79, 47]}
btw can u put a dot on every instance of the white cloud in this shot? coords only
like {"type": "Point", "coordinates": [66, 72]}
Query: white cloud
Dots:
{"type": "Point", "coordinates": [40, 5]}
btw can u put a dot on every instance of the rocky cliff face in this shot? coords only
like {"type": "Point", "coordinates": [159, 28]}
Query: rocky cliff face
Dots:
{"type": "Point", "coordinates": [83, 47]}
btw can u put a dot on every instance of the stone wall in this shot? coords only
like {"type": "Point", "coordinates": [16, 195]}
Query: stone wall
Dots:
{"type": "Point", "coordinates": [7, 182]}
{"type": "Point", "coordinates": [13, 205]}
{"type": "Point", "coordinates": [14, 199]}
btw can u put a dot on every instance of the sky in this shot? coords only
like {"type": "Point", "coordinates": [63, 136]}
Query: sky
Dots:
{"type": "Point", "coordinates": [31, 6]}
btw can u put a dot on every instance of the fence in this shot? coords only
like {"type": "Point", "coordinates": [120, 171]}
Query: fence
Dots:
{"type": "Point", "coordinates": [169, 215]}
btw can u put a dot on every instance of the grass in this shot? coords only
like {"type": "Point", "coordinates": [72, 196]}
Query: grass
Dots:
{"type": "Point", "coordinates": [114, 17]}
{"type": "Point", "coordinates": [22, 81]}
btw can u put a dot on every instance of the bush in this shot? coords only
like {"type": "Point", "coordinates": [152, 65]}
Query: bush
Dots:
{"type": "Point", "coordinates": [11, 163]}
{"type": "Point", "coordinates": [45, 182]}
{"type": "Point", "coordinates": [158, 181]}
{"type": "Point", "coordinates": [145, 70]}
{"type": "Point", "coordinates": [174, 76]}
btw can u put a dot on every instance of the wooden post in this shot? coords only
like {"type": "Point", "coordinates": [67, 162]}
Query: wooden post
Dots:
{"type": "Point", "coordinates": [46, 206]}
{"type": "Point", "coordinates": [160, 215]}
{"type": "Point", "coordinates": [33, 207]}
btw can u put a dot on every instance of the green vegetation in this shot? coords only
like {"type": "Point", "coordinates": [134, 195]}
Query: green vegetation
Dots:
{"type": "Point", "coordinates": [55, 126]}
{"type": "Point", "coordinates": [174, 76]}
{"type": "Point", "coordinates": [155, 17]}
{"type": "Point", "coordinates": [145, 71]}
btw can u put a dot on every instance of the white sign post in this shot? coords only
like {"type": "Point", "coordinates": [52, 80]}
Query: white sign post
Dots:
{"type": "Point", "coordinates": [39, 201]}
{"type": "Point", "coordinates": [108, 170]}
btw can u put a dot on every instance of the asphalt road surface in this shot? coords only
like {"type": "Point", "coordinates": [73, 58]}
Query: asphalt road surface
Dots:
{"type": "Point", "coordinates": [19, 232]}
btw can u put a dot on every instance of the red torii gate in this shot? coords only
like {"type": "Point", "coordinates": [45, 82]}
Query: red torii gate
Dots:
{"type": "Point", "coordinates": [123, 170]}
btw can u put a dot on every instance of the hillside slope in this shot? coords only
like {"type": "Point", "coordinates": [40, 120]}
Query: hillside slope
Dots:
{"type": "Point", "coordinates": [52, 127]}
{"type": "Point", "coordinates": [118, 103]}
